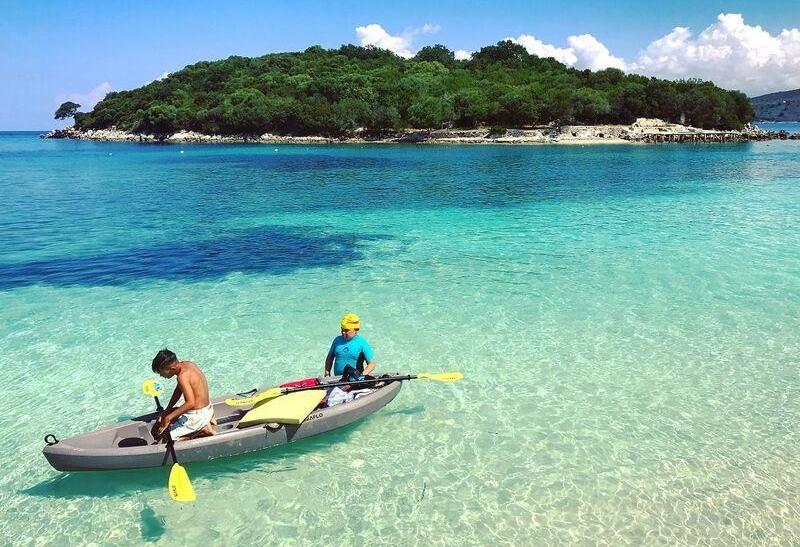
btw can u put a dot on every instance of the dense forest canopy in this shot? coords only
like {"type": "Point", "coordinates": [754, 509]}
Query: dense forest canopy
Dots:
{"type": "Point", "coordinates": [334, 92]}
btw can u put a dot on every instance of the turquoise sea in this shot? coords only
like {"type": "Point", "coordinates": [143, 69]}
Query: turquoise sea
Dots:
{"type": "Point", "coordinates": [627, 319]}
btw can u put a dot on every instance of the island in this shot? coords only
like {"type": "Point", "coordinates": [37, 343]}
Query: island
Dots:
{"type": "Point", "coordinates": [501, 94]}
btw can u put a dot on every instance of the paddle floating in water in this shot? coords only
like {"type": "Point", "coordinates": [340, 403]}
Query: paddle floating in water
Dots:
{"type": "Point", "coordinates": [179, 485]}
{"type": "Point", "coordinates": [274, 392]}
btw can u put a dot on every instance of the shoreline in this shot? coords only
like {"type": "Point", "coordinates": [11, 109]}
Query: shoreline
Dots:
{"type": "Point", "coordinates": [642, 131]}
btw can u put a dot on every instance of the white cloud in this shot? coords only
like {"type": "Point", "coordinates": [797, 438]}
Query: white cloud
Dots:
{"type": "Point", "coordinates": [161, 77]}
{"type": "Point", "coordinates": [730, 52]}
{"type": "Point", "coordinates": [592, 54]}
{"type": "Point", "coordinates": [375, 35]}
{"type": "Point", "coordinates": [584, 51]}
{"type": "Point", "coordinates": [89, 99]}
{"type": "Point", "coordinates": [462, 54]}
{"type": "Point", "coordinates": [540, 49]}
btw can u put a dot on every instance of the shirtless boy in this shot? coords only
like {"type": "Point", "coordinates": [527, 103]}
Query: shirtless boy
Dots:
{"type": "Point", "coordinates": [195, 417]}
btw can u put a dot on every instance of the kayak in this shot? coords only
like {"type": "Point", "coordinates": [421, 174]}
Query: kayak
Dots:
{"type": "Point", "coordinates": [129, 444]}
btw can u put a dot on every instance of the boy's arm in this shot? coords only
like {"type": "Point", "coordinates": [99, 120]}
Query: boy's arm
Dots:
{"type": "Point", "coordinates": [188, 401]}
{"type": "Point", "coordinates": [175, 396]}
{"type": "Point", "coordinates": [329, 358]}
{"type": "Point", "coordinates": [162, 422]}
{"type": "Point", "coordinates": [369, 357]}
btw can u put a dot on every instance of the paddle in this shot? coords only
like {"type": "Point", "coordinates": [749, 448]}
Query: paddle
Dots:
{"type": "Point", "coordinates": [278, 391]}
{"type": "Point", "coordinates": [179, 485]}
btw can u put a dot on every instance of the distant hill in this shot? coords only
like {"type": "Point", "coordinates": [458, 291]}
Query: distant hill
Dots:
{"type": "Point", "coordinates": [783, 106]}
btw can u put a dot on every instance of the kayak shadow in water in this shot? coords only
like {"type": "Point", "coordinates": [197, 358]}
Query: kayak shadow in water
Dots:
{"type": "Point", "coordinates": [99, 484]}
{"type": "Point", "coordinates": [125, 482]}
{"type": "Point", "coordinates": [278, 459]}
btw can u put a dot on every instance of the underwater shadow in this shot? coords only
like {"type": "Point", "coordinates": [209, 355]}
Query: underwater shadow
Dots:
{"type": "Point", "coordinates": [410, 411]}
{"type": "Point", "coordinates": [111, 484]}
{"type": "Point", "coordinates": [100, 484]}
{"type": "Point", "coordinates": [151, 526]}
{"type": "Point", "coordinates": [292, 163]}
{"type": "Point", "coordinates": [267, 458]}
{"type": "Point", "coordinates": [270, 249]}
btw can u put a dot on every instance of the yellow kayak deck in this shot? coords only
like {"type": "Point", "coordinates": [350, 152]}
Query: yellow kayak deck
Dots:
{"type": "Point", "coordinates": [291, 408]}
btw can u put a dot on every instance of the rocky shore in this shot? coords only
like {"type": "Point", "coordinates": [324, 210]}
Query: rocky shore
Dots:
{"type": "Point", "coordinates": [642, 131]}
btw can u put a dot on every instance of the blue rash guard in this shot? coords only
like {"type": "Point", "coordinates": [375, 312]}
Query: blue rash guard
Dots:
{"type": "Point", "coordinates": [349, 352]}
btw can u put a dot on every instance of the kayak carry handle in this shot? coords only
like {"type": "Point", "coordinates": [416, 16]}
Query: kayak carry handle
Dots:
{"type": "Point", "coordinates": [50, 439]}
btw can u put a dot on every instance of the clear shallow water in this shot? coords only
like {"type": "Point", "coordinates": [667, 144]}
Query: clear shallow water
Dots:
{"type": "Point", "coordinates": [627, 319]}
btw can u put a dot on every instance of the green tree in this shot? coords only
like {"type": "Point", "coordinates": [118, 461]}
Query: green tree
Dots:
{"type": "Point", "coordinates": [517, 108]}
{"type": "Point", "coordinates": [315, 115]}
{"type": "Point", "coordinates": [247, 111]}
{"type": "Point", "coordinates": [591, 106]}
{"type": "Point", "coordinates": [742, 108]}
{"type": "Point", "coordinates": [557, 105]}
{"type": "Point", "coordinates": [66, 110]}
{"type": "Point", "coordinates": [350, 114]}
{"type": "Point", "coordinates": [505, 52]}
{"type": "Point", "coordinates": [430, 112]}
{"type": "Point", "coordinates": [437, 53]}
{"type": "Point", "coordinates": [385, 117]}
{"type": "Point", "coordinates": [159, 119]}
{"type": "Point", "coordinates": [608, 77]}
{"type": "Point", "coordinates": [629, 102]}
{"type": "Point", "coordinates": [473, 106]}
{"type": "Point", "coordinates": [662, 101]}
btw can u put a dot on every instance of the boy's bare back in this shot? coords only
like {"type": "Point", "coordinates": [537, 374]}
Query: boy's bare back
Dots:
{"type": "Point", "coordinates": [193, 385]}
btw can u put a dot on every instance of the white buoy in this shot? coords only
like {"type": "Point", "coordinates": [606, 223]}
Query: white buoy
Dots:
{"type": "Point", "coordinates": [276, 150]}
{"type": "Point", "coordinates": [181, 151]}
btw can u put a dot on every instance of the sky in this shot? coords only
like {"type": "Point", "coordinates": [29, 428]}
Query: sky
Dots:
{"type": "Point", "coordinates": [51, 52]}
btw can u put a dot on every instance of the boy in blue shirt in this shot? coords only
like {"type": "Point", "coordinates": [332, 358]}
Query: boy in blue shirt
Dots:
{"type": "Point", "coordinates": [349, 350]}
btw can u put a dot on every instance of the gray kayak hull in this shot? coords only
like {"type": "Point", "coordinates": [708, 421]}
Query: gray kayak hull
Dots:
{"type": "Point", "coordinates": [128, 445]}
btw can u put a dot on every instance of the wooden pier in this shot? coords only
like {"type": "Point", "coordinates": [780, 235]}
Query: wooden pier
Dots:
{"type": "Point", "coordinates": [692, 138]}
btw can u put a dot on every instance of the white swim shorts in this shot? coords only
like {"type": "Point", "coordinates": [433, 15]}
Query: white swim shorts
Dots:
{"type": "Point", "coordinates": [190, 422]}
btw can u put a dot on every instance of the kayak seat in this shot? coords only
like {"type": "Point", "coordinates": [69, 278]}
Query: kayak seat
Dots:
{"type": "Point", "coordinates": [130, 436]}
{"type": "Point", "coordinates": [130, 442]}
{"type": "Point", "coordinates": [235, 417]}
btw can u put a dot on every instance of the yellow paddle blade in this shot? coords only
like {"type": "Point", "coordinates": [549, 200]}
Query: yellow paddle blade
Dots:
{"type": "Point", "coordinates": [441, 376]}
{"type": "Point", "coordinates": [151, 388]}
{"type": "Point", "coordinates": [263, 396]}
{"type": "Point", "coordinates": [180, 487]}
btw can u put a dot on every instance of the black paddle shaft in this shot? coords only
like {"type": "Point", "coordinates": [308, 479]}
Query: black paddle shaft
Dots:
{"type": "Point", "coordinates": [353, 383]}
{"type": "Point", "coordinates": [170, 442]}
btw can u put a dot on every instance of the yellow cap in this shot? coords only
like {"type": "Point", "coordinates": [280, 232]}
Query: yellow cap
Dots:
{"type": "Point", "coordinates": [351, 321]}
